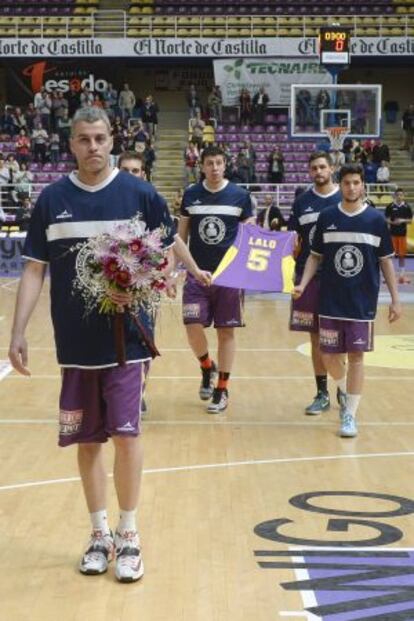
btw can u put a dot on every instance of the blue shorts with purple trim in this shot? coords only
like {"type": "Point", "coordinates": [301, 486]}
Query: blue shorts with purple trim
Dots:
{"type": "Point", "coordinates": [96, 404]}
{"type": "Point", "coordinates": [338, 336]}
{"type": "Point", "coordinates": [205, 305]}
{"type": "Point", "coordinates": [304, 310]}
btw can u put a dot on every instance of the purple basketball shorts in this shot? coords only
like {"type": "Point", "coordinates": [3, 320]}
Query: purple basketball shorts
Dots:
{"type": "Point", "coordinates": [223, 305]}
{"type": "Point", "coordinates": [337, 336]}
{"type": "Point", "coordinates": [304, 310]}
{"type": "Point", "coordinates": [96, 404]}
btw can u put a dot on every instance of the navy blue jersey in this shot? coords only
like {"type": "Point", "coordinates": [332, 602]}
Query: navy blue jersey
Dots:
{"type": "Point", "coordinates": [214, 220]}
{"type": "Point", "coordinates": [303, 217]}
{"type": "Point", "coordinates": [351, 246]}
{"type": "Point", "coordinates": [66, 213]}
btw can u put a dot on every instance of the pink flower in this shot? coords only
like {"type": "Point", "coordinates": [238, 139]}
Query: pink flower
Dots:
{"type": "Point", "coordinates": [123, 278]}
{"type": "Point", "coordinates": [110, 267]}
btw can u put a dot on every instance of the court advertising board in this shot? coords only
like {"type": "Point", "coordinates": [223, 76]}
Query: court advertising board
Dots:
{"type": "Point", "coordinates": [63, 47]}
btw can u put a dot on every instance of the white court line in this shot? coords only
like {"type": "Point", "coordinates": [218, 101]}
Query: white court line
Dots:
{"type": "Point", "coordinates": [379, 378]}
{"type": "Point", "coordinates": [219, 423]}
{"type": "Point", "coordinates": [5, 369]}
{"type": "Point", "coordinates": [216, 466]}
{"type": "Point", "coordinates": [183, 349]}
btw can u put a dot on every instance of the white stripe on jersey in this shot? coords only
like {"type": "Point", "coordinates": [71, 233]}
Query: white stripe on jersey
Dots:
{"type": "Point", "coordinates": [221, 210]}
{"type": "Point", "coordinates": [344, 237]}
{"type": "Point", "coordinates": [308, 218]}
{"type": "Point", "coordinates": [73, 230]}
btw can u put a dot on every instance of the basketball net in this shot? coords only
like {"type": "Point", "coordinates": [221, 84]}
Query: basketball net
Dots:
{"type": "Point", "coordinates": [336, 136]}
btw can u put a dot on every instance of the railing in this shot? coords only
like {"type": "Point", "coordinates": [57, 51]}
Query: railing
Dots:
{"type": "Point", "coordinates": [121, 24]}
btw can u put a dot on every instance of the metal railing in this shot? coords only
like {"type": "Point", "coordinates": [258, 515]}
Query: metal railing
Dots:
{"type": "Point", "coordinates": [120, 24]}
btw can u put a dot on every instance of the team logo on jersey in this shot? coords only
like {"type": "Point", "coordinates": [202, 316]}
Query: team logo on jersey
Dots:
{"type": "Point", "coordinates": [64, 214]}
{"type": "Point", "coordinates": [308, 209]}
{"type": "Point", "coordinates": [70, 422]}
{"type": "Point", "coordinates": [211, 230]}
{"type": "Point", "coordinates": [348, 261]}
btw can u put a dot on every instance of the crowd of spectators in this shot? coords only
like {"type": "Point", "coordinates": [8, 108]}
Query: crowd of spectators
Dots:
{"type": "Point", "coordinates": [40, 132]}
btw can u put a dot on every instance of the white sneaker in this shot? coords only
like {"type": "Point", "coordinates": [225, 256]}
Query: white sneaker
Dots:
{"type": "Point", "coordinates": [129, 566]}
{"type": "Point", "coordinates": [348, 427]}
{"type": "Point", "coordinates": [98, 554]}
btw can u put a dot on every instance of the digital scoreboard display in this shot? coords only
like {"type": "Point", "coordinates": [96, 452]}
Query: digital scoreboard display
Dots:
{"type": "Point", "coordinates": [334, 45]}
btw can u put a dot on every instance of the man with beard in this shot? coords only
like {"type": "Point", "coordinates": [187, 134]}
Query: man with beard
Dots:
{"type": "Point", "coordinates": [304, 310]}
{"type": "Point", "coordinates": [354, 242]}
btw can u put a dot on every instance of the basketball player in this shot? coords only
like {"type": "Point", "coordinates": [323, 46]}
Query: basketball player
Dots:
{"type": "Point", "coordinates": [305, 212]}
{"type": "Point", "coordinates": [210, 215]}
{"type": "Point", "coordinates": [99, 399]}
{"type": "Point", "coordinates": [354, 242]}
{"type": "Point", "coordinates": [398, 214]}
{"type": "Point", "coordinates": [132, 162]}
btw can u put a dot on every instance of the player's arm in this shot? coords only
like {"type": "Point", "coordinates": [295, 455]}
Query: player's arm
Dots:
{"type": "Point", "coordinates": [28, 293]}
{"type": "Point", "coordinates": [387, 269]}
{"type": "Point", "coordinates": [311, 267]}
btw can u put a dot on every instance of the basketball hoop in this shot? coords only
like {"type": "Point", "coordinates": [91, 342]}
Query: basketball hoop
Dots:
{"type": "Point", "coordinates": [336, 136]}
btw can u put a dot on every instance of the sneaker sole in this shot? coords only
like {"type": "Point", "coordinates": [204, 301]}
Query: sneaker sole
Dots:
{"type": "Point", "coordinates": [92, 572]}
{"type": "Point", "coordinates": [316, 412]}
{"type": "Point", "coordinates": [347, 435]}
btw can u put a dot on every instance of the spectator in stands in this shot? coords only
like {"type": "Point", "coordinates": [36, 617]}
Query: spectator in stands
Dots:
{"type": "Point", "coordinates": [243, 167]}
{"type": "Point", "coordinates": [39, 143]}
{"type": "Point", "coordinates": [270, 217]}
{"type": "Point", "coordinates": [141, 136]}
{"type": "Point", "coordinates": [381, 152]}
{"type": "Point", "coordinates": [97, 101]}
{"type": "Point", "coordinates": [32, 116]}
{"type": "Point", "coordinates": [60, 105]}
{"type": "Point", "coordinates": [20, 120]}
{"type": "Point", "coordinates": [24, 213]}
{"type": "Point", "coordinates": [149, 159]}
{"type": "Point", "coordinates": [215, 103]}
{"type": "Point", "coordinates": [43, 105]}
{"type": "Point", "coordinates": [86, 97]}
{"type": "Point", "coordinates": [126, 102]}
{"type": "Point", "coordinates": [408, 127]}
{"type": "Point", "coordinates": [304, 114]}
{"type": "Point", "coordinates": [338, 160]}
{"type": "Point", "coordinates": [110, 96]}
{"type": "Point", "coordinates": [248, 150]}
{"type": "Point", "coordinates": [191, 160]}
{"type": "Point", "coordinates": [5, 180]}
{"type": "Point", "coordinates": [260, 103]}
{"type": "Point", "coordinates": [22, 184]}
{"type": "Point", "coordinates": [73, 98]}
{"type": "Point", "coordinates": [9, 122]}
{"type": "Point", "coordinates": [276, 163]}
{"type": "Point", "coordinates": [209, 135]}
{"type": "Point", "coordinates": [383, 175]}
{"type": "Point", "coordinates": [322, 102]}
{"type": "Point", "coordinates": [54, 148]}
{"type": "Point", "coordinates": [370, 170]}
{"type": "Point", "coordinates": [245, 102]}
{"type": "Point", "coordinates": [196, 127]}
{"type": "Point", "coordinates": [194, 102]}
{"type": "Point", "coordinates": [23, 145]}
{"type": "Point", "coordinates": [398, 215]}
{"type": "Point", "coordinates": [149, 115]}
{"type": "Point", "coordinates": [110, 113]}
{"type": "Point", "coordinates": [361, 111]}
{"type": "Point", "coordinates": [63, 129]}
{"type": "Point", "coordinates": [12, 164]}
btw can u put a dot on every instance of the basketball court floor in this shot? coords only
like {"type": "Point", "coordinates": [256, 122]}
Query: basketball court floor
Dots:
{"type": "Point", "coordinates": [256, 514]}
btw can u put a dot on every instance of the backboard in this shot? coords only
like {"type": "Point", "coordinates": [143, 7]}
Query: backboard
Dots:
{"type": "Point", "coordinates": [316, 107]}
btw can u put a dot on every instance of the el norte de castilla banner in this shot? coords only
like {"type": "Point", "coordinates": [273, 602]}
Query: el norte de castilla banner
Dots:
{"type": "Point", "coordinates": [275, 74]}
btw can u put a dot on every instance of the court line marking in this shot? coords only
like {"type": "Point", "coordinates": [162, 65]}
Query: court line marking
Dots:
{"type": "Point", "coordinates": [5, 369]}
{"type": "Point", "coordinates": [379, 378]}
{"type": "Point", "coordinates": [216, 466]}
{"type": "Point", "coordinates": [219, 423]}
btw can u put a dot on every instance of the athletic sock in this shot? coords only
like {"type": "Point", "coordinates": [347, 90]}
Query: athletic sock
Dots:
{"type": "Point", "coordinates": [321, 383]}
{"type": "Point", "coordinates": [127, 521]}
{"type": "Point", "coordinates": [352, 403]}
{"type": "Point", "coordinates": [99, 521]}
{"type": "Point", "coordinates": [223, 380]}
{"type": "Point", "coordinates": [205, 361]}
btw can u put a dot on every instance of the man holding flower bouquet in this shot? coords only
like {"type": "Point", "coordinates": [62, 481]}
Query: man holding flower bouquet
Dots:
{"type": "Point", "coordinates": [104, 235]}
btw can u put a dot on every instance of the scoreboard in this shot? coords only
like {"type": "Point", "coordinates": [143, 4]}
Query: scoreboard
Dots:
{"type": "Point", "coordinates": [334, 45]}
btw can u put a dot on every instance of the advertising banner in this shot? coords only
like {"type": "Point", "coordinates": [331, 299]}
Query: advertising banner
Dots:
{"type": "Point", "coordinates": [274, 74]}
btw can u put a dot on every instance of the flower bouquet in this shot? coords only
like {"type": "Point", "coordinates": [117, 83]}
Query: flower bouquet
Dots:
{"type": "Point", "coordinates": [131, 260]}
